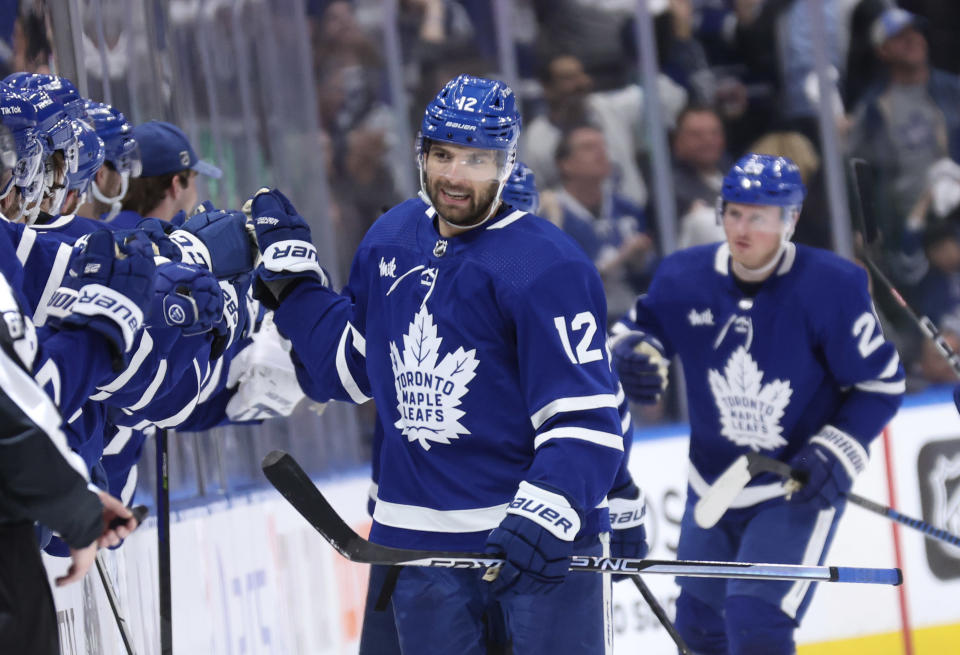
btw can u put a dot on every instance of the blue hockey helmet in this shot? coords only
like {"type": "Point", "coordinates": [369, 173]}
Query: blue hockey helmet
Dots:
{"type": "Point", "coordinates": [473, 112]}
{"type": "Point", "coordinates": [521, 189]}
{"type": "Point", "coordinates": [54, 128]}
{"type": "Point", "coordinates": [112, 127]}
{"type": "Point", "coordinates": [90, 157]}
{"type": "Point", "coordinates": [59, 88]}
{"type": "Point", "coordinates": [764, 180]}
{"type": "Point", "coordinates": [18, 115]}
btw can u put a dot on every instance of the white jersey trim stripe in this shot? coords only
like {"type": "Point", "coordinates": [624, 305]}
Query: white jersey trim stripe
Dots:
{"type": "Point", "coordinates": [625, 423]}
{"type": "Point", "coordinates": [878, 386]}
{"type": "Point", "coordinates": [746, 498]}
{"type": "Point", "coordinates": [343, 369]}
{"type": "Point", "coordinates": [53, 282]}
{"type": "Point", "coordinates": [412, 517]}
{"type": "Point", "coordinates": [607, 439]}
{"type": "Point", "coordinates": [152, 388]}
{"type": "Point", "coordinates": [811, 557]}
{"type": "Point", "coordinates": [126, 494]}
{"type": "Point", "coordinates": [120, 439]}
{"type": "Point", "coordinates": [25, 246]}
{"type": "Point", "coordinates": [572, 404]}
{"type": "Point", "coordinates": [146, 346]}
{"type": "Point", "coordinates": [507, 220]}
{"type": "Point", "coordinates": [186, 410]}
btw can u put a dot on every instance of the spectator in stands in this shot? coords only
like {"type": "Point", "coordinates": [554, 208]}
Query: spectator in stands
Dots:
{"type": "Point", "coordinates": [938, 294]}
{"type": "Point", "coordinates": [813, 228]}
{"type": "Point", "coordinates": [699, 163]}
{"type": "Point", "coordinates": [905, 123]}
{"type": "Point", "coordinates": [610, 229]}
{"type": "Point", "coordinates": [167, 182]}
{"type": "Point", "coordinates": [571, 101]}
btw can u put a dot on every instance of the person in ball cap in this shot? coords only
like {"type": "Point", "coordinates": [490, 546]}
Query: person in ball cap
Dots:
{"type": "Point", "coordinates": [167, 182]}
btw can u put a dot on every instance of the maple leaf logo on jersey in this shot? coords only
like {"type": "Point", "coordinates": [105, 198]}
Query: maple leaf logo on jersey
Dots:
{"type": "Point", "coordinates": [750, 412]}
{"type": "Point", "coordinates": [429, 393]}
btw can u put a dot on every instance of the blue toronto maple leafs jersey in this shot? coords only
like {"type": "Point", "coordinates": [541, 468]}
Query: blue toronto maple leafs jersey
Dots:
{"type": "Point", "coordinates": [768, 371]}
{"type": "Point", "coordinates": [486, 357]}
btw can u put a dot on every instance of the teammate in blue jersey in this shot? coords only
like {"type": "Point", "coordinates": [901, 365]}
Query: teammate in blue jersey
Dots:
{"type": "Point", "coordinates": [475, 326]}
{"type": "Point", "coordinates": [782, 354]}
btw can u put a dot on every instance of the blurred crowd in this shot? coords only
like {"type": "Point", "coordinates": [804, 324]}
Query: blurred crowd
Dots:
{"type": "Point", "coordinates": [734, 76]}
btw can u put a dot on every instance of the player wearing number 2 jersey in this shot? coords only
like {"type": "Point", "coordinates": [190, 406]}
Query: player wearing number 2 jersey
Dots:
{"type": "Point", "coordinates": [782, 354]}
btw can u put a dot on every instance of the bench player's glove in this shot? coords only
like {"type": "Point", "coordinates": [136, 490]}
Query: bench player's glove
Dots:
{"type": "Point", "coordinates": [159, 233]}
{"type": "Point", "coordinates": [108, 288]}
{"type": "Point", "coordinates": [287, 254]}
{"type": "Point", "coordinates": [187, 297]}
{"type": "Point", "coordinates": [628, 513]}
{"type": "Point", "coordinates": [536, 541]}
{"type": "Point", "coordinates": [639, 362]}
{"type": "Point", "coordinates": [217, 240]}
{"type": "Point", "coordinates": [829, 461]}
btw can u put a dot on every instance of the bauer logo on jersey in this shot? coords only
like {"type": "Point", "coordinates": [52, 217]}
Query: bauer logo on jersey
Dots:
{"type": "Point", "coordinates": [429, 391]}
{"type": "Point", "coordinates": [750, 411]}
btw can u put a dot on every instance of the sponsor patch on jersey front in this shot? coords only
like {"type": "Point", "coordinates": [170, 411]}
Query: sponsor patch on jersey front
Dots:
{"type": "Point", "coordinates": [750, 411]}
{"type": "Point", "coordinates": [430, 389]}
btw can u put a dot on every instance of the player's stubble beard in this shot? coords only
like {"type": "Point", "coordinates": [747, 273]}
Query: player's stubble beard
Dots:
{"type": "Point", "coordinates": [471, 214]}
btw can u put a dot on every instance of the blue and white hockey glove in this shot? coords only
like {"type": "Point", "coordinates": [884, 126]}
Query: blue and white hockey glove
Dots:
{"type": "Point", "coordinates": [536, 540]}
{"type": "Point", "coordinates": [187, 297]}
{"type": "Point", "coordinates": [628, 514]}
{"type": "Point", "coordinates": [159, 233]}
{"type": "Point", "coordinates": [217, 240]}
{"type": "Point", "coordinates": [829, 461]}
{"type": "Point", "coordinates": [639, 362]}
{"type": "Point", "coordinates": [287, 252]}
{"type": "Point", "coordinates": [233, 322]}
{"type": "Point", "coordinates": [108, 288]}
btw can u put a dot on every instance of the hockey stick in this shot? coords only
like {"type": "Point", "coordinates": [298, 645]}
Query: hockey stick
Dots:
{"type": "Point", "coordinates": [863, 194]}
{"type": "Point", "coordinates": [163, 543]}
{"type": "Point", "coordinates": [297, 487]}
{"type": "Point", "coordinates": [718, 499]}
{"type": "Point", "coordinates": [139, 513]}
{"type": "Point", "coordinates": [661, 615]}
{"type": "Point", "coordinates": [769, 465]}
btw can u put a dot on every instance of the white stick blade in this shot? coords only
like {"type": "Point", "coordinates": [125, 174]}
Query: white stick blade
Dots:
{"type": "Point", "coordinates": [721, 494]}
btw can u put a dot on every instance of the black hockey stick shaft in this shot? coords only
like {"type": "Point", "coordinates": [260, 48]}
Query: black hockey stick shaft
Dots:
{"type": "Point", "coordinates": [163, 543]}
{"type": "Point", "coordinates": [862, 180]}
{"type": "Point", "coordinates": [114, 601]}
{"type": "Point", "coordinates": [783, 470]}
{"type": "Point", "coordinates": [297, 487]}
{"type": "Point", "coordinates": [661, 615]}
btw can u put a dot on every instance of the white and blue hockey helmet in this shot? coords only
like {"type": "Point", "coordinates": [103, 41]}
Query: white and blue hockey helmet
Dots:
{"type": "Point", "coordinates": [18, 115]}
{"type": "Point", "coordinates": [520, 190]}
{"type": "Point", "coordinates": [477, 113]}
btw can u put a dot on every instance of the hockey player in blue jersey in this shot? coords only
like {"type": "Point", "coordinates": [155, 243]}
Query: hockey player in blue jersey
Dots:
{"type": "Point", "coordinates": [782, 354]}
{"type": "Point", "coordinates": [474, 326]}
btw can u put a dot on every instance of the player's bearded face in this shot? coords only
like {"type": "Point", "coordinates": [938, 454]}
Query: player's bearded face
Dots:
{"type": "Point", "coordinates": [754, 233]}
{"type": "Point", "coordinates": [461, 181]}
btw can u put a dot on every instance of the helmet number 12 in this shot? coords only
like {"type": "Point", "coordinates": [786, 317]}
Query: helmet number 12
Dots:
{"type": "Point", "coordinates": [586, 322]}
{"type": "Point", "coordinates": [465, 103]}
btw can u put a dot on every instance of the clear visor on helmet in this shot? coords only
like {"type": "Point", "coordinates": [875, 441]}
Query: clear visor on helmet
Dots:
{"type": "Point", "coordinates": [769, 219]}
{"type": "Point", "coordinates": [128, 161]}
{"type": "Point", "coordinates": [27, 171]}
{"type": "Point", "coordinates": [456, 162]}
{"type": "Point", "coordinates": [61, 137]}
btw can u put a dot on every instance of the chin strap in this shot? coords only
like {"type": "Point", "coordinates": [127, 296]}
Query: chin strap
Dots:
{"type": "Point", "coordinates": [114, 201]}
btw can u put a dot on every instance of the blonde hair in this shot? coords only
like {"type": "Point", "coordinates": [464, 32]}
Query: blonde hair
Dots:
{"type": "Point", "coordinates": [792, 145]}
